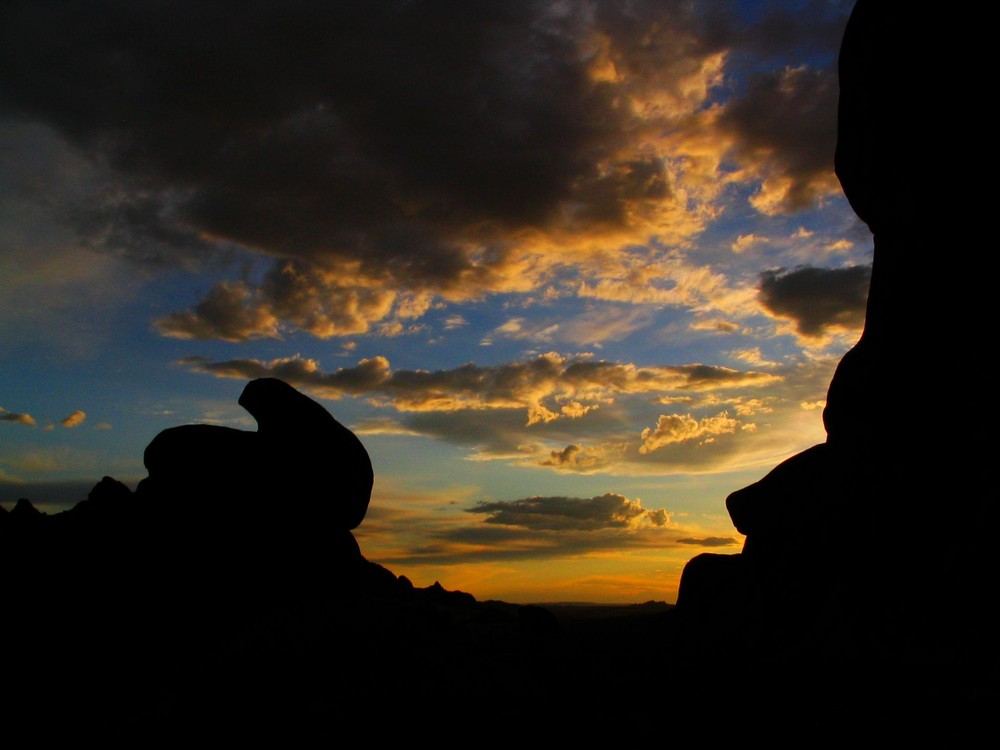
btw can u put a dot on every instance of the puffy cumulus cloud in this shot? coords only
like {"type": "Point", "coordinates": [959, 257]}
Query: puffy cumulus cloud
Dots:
{"type": "Point", "coordinates": [607, 511]}
{"type": "Point", "coordinates": [16, 418]}
{"type": "Point", "coordinates": [73, 420]}
{"type": "Point", "coordinates": [379, 155]}
{"type": "Point", "coordinates": [548, 387]}
{"type": "Point", "coordinates": [817, 300]}
{"type": "Point", "coordinates": [813, 405]}
{"type": "Point", "coordinates": [679, 428]}
{"type": "Point", "coordinates": [785, 132]}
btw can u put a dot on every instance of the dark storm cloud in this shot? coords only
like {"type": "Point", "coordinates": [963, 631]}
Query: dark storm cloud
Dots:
{"type": "Point", "coordinates": [551, 513]}
{"type": "Point", "coordinates": [817, 299]}
{"type": "Point", "coordinates": [786, 126]}
{"type": "Point", "coordinates": [376, 148]}
{"type": "Point", "coordinates": [293, 126]}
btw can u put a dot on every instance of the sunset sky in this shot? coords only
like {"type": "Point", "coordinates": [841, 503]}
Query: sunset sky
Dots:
{"type": "Point", "coordinates": [572, 271]}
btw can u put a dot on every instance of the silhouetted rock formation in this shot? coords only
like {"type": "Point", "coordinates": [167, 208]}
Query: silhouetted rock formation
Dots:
{"type": "Point", "coordinates": [278, 503]}
{"type": "Point", "coordinates": [299, 452]}
{"type": "Point", "coordinates": [841, 560]}
{"type": "Point", "coordinates": [227, 594]}
{"type": "Point", "coordinates": [227, 525]}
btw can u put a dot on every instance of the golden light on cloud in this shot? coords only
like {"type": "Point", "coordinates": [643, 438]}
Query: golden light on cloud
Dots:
{"type": "Point", "coordinates": [581, 459]}
{"type": "Point", "coordinates": [746, 241]}
{"type": "Point", "coordinates": [16, 418]}
{"type": "Point", "coordinates": [649, 183]}
{"type": "Point", "coordinates": [73, 420]}
{"type": "Point", "coordinates": [550, 386]}
{"type": "Point", "coordinates": [678, 428]}
{"type": "Point", "coordinates": [838, 246]}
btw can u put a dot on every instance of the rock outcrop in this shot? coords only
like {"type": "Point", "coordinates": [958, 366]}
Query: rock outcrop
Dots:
{"type": "Point", "coordinates": [299, 455]}
{"type": "Point", "coordinates": [228, 524]}
{"type": "Point", "coordinates": [845, 556]}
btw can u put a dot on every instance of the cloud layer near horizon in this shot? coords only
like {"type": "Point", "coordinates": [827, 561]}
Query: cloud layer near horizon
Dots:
{"type": "Point", "coordinates": [568, 413]}
{"type": "Point", "coordinates": [548, 387]}
{"type": "Point", "coordinates": [531, 528]}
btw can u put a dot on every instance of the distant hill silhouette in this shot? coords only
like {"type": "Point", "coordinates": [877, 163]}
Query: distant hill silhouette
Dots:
{"type": "Point", "coordinates": [226, 599]}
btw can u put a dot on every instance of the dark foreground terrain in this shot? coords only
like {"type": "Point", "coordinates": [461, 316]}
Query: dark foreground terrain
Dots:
{"type": "Point", "coordinates": [201, 611]}
{"type": "Point", "coordinates": [432, 665]}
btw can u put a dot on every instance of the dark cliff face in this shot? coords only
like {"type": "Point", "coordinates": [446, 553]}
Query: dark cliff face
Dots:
{"type": "Point", "coordinates": [842, 555]}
